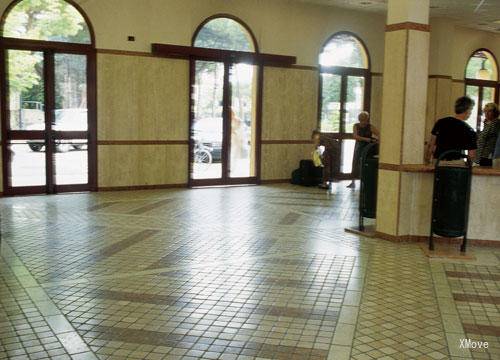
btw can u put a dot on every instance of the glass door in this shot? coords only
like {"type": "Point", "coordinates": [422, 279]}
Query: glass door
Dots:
{"type": "Point", "coordinates": [47, 122]}
{"type": "Point", "coordinates": [207, 124]}
{"type": "Point", "coordinates": [223, 127]}
{"type": "Point", "coordinates": [26, 158]}
{"type": "Point", "coordinates": [243, 124]}
{"type": "Point", "coordinates": [342, 100]}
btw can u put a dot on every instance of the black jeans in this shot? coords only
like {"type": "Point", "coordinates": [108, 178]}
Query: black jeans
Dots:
{"type": "Point", "coordinates": [485, 162]}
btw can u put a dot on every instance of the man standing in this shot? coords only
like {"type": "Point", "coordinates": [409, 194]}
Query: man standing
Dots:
{"type": "Point", "coordinates": [453, 133]}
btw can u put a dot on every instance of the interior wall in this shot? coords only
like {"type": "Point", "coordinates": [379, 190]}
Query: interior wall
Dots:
{"type": "Point", "coordinates": [451, 48]}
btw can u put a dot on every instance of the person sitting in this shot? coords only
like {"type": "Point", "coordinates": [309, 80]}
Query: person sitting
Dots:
{"type": "Point", "coordinates": [487, 138]}
{"type": "Point", "coordinates": [453, 133]}
{"type": "Point", "coordinates": [310, 172]}
{"type": "Point", "coordinates": [364, 133]}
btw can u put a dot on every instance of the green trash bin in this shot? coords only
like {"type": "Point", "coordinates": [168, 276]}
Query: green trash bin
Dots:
{"type": "Point", "coordinates": [450, 200]}
{"type": "Point", "coordinates": [369, 180]}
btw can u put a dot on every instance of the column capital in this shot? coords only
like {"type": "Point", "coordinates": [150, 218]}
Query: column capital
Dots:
{"type": "Point", "coordinates": [408, 11]}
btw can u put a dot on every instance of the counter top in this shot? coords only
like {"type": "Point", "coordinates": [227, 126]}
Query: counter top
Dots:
{"type": "Point", "coordinates": [425, 168]}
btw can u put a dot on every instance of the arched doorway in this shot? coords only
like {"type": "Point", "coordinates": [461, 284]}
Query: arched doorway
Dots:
{"type": "Point", "coordinates": [223, 126]}
{"type": "Point", "coordinates": [344, 92]}
{"type": "Point", "coordinates": [481, 83]}
{"type": "Point", "coordinates": [48, 95]}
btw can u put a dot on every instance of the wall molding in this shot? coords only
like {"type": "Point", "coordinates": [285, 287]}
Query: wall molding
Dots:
{"type": "Point", "coordinates": [437, 76]}
{"type": "Point", "coordinates": [124, 52]}
{"type": "Point", "coordinates": [408, 25]}
{"type": "Point", "coordinates": [143, 142]}
{"type": "Point", "coordinates": [275, 181]}
{"type": "Point", "coordinates": [141, 187]}
{"type": "Point", "coordinates": [285, 142]}
{"type": "Point", "coordinates": [423, 239]}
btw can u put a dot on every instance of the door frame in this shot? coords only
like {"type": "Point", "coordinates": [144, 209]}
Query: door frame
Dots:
{"type": "Point", "coordinates": [49, 49]}
{"type": "Point", "coordinates": [481, 84]}
{"type": "Point", "coordinates": [226, 127]}
{"type": "Point", "coordinates": [344, 73]}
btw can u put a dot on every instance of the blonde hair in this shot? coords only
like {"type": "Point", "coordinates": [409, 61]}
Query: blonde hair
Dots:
{"type": "Point", "coordinates": [493, 107]}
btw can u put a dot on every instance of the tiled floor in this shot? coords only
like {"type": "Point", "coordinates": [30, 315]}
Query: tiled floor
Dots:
{"type": "Point", "coordinates": [230, 273]}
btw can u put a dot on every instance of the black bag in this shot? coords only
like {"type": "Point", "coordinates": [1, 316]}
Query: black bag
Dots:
{"type": "Point", "coordinates": [307, 174]}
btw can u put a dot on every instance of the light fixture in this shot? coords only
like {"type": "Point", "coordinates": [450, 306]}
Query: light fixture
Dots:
{"type": "Point", "coordinates": [483, 73]}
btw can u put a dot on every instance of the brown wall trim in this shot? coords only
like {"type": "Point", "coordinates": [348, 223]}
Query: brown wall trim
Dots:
{"type": "Point", "coordinates": [458, 81]}
{"type": "Point", "coordinates": [124, 52]}
{"type": "Point", "coordinates": [285, 142]}
{"type": "Point", "coordinates": [446, 77]}
{"type": "Point", "coordinates": [420, 238]}
{"type": "Point", "coordinates": [408, 26]}
{"type": "Point", "coordinates": [275, 181]}
{"type": "Point", "coordinates": [390, 167]}
{"type": "Point", "coordinates": [423, 168]}
{"type": "Point", "coordinates": [141, 187]}
{"type": "Point", "coordinates": [304, 67]}
{"type": "Point", "coordinates": [143, 142]}
{"type": "Point", "coordinates": [377, 74]}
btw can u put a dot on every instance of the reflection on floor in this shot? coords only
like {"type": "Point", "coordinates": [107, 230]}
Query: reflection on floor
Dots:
{"type": "Point", "coordinates": [244, 272]}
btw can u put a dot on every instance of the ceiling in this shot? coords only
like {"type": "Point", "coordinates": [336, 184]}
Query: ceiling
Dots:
{"type": "Point", "coordinates": [477, 14]}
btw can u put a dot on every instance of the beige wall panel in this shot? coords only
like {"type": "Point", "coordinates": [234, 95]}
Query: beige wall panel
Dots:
{"type": "Point", "coordinates": [387, 201]}
{"type": "Point", "coordinates": [457, 90]}
{"type": "Point", "coordinates": [393, 100]}
{"type": "Point", "coordinates": [376, 101]}
{"type": "Point", "coordinates": [416, 97]}
{"type": "Point", "coordinates": [134, 165]}
{"type": "Point", "coordinates": [430, 118]}
{"type": "Point", "coordinates": [290, 104]}
{"type": "Point", "coordinates": [444, 98]}
{"type": "Point", "coordinates": [483, 215]}
{"type": "Point", "coordinates": [142, 98]}
{"type": "Point", "coordinates": [279, 160]}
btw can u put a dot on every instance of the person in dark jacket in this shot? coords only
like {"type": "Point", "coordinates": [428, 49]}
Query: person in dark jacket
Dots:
{"type": "Point", "coordinates": [453, 133]}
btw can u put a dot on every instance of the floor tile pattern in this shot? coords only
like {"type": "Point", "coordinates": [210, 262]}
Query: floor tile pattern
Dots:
{"type": "Point", "coordinates": [229, 273]}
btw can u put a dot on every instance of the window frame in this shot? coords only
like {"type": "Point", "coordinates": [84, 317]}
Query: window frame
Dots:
{"type": "Point", "coordinates": [49, 49]}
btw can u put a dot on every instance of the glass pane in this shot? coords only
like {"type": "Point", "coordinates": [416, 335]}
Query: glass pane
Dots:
{"type": "Point", "coordinates": [347, 156]}
{"type": "Point", "coordinates": [355, 101]}
{"type": "Point", "coordinates": [207, 127]}
{"type": "Point", "coordinates": [71, 162]}
{"type": "Point", "coordinates": [50, 20]}
{"type": "Point", "coordinates": [27, 163]}
{"type": "Point", "coordinates": [26, 90]}
{"type": "Point", "coordinates": [330, 103]}
{"type": "Point", "coordinates": [226, 34]}
{"type": "Point", "coordinates": [488, 97]}
{"type": "Point", "coordinates": [242, 79]}
{"type": "Point", "coordinates": [482, 66]}
{"type": "Point", "coordinates": [344, 50]}
{"type": "Point", "coordinates": [473, 93]}
{"type": "Point", "coordinates": [71, 92]}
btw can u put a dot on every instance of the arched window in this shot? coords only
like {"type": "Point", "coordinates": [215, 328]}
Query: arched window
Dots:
{"type": "Point", "coordinates": [344, 91]}
{"type": "Point", "coordinates": [226, 34]}
{"type": "Point", "coordinates": [46, 20]}
{"type": "Point", "coordinates": [481, 83]}
{"type": "Point", "coordinates": [49, 104]}
{"type": "Point", "coordinates": [224, 107]}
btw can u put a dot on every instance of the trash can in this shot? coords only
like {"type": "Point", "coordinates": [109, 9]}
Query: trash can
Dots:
{"type": "Point", "coordinates": [369, 180]}
{"type": "Point", "coordinates": [450, 199]}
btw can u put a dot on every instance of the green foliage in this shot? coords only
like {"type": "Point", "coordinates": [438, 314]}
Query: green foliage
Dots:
{"type": "Point", "coordinates": [50, 20]}
{"type": "Point", "coordinates": [224, 33]}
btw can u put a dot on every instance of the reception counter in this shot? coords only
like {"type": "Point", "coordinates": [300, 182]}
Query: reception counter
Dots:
{"type": "Point", "coordinates": [484, 211]}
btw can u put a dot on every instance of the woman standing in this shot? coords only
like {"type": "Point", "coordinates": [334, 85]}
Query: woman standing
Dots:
{"type": "Point", "coordinates": [487, 138]}
{"type": "Point", "coordinates": [364, 133]}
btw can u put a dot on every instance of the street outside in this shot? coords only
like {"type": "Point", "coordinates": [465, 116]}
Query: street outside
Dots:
{"type": "Point", "coordinates": [28, 167]}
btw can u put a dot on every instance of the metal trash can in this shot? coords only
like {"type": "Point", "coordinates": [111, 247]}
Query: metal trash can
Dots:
{"type": "Point", "coordinates": [450, 199]}
{"type": "Point", "coordinates": [369, 179]}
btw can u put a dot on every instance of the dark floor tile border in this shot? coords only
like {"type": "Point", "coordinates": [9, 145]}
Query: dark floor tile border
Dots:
{"type": "Point", "coordinates": [203, 343]}
{"type": "Point", "coordinates": [144, 209]}
{"type": "Point", "coordinates": [468, 275]}
{"type": "Point", "coordinates": [495, 300]}
{"type": "Point", "coordinates": [482, 329]}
